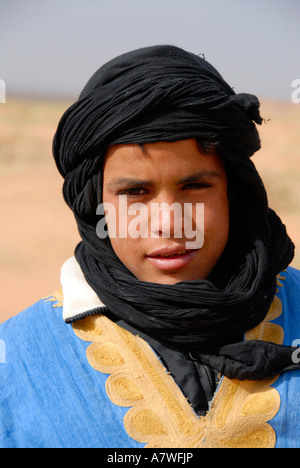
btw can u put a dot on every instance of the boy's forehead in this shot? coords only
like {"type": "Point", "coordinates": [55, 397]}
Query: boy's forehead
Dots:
{"type": "Point", "coordinates": [183, 156]}
{"type": "Point", "coordinates": [181, 149]}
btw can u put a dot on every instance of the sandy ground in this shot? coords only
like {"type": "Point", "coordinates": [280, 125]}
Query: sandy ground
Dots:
{"type": "Point", "coordinates": [38, 232]}
{"type": "Point", "coordinates": [38, 236]}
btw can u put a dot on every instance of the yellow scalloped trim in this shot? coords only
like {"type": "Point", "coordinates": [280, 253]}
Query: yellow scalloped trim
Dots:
{"type": "Point", "coordinates": [159, 414]}
{"type": "Point", "coordinates": [56, 297]}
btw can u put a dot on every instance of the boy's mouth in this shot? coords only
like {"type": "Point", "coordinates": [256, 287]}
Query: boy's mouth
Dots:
{"type": "Point", "coordinates": [170, 255]}
{"type": "Point", "coordinates": [171, 259]}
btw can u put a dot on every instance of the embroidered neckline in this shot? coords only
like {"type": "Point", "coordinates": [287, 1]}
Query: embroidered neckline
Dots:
{"type": "Point", "coordinates": [159, 414]}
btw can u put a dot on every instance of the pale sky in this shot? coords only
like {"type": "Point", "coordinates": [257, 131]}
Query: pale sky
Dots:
{"type": "Point", "coordinates": [52, 47]}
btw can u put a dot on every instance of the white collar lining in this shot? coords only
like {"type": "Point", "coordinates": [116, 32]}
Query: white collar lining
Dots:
{"type": "Point", "coordinates": [79, 298]}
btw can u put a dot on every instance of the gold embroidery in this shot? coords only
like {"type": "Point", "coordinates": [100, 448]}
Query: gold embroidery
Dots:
{"type": "Point", "coordinates": [280, 285]}
{"type": "Point", "coordinates": [267, 331]}
{"type": "Point", "coordinates": [56, 297]}
{"type": "Point", "coordinates": [148, 423]}
{"type": "Point", "coordinates": [256, 439]}
{"type": "Point", "coordinates": [89, 329]}
{"type": "Point", "coordinates": [239, 411]}
{"type": "Point", "coordinates": [123, 391]}
{"type": "Point", "coordinates": [159, 414]}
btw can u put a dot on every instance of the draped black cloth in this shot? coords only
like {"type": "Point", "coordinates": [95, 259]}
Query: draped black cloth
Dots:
{"type": "Point", "coordinates": [164, 93]}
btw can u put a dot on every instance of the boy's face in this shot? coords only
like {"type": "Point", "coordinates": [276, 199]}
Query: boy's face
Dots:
{"type": "Point", "coordinates": [167, 173]}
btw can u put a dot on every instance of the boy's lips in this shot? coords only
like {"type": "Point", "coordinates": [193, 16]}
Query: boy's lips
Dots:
{"type": "Point", "coordinates": [171, 258]}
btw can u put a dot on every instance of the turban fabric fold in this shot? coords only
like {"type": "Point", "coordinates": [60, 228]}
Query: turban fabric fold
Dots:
{"type": "Point", "coordinates": [163, 93]}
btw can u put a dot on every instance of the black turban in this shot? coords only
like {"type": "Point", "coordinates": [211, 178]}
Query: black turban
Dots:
{"type": "Point", "coordinates": [155, 94]}
{"type": "Point", "coordinates": [163, 93]}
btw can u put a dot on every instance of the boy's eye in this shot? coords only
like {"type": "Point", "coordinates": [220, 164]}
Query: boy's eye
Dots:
{"type": "Point", "coordinates": [196, 185]}
{"type": "Point", "coordinates": [132, 192]}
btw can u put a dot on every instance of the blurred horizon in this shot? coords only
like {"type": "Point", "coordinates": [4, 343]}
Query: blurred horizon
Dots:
{"type": "Point", "coordinates": [51, 48]}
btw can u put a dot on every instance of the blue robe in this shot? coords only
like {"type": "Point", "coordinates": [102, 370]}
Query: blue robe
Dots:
{"type": "Point", "coordinates": [92, 384]}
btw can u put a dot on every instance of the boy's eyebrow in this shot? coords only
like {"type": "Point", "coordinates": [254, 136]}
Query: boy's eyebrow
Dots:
{"type": "Point", "coordinates": [131, 182]}
{"type": "Point", "coordinates": [198, 176]}
{"type": "Point", "coordinates": [127, 181]}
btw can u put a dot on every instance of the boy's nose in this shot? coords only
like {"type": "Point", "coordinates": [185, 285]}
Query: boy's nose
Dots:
{"type": "Point", "coordinates": [167, 218]}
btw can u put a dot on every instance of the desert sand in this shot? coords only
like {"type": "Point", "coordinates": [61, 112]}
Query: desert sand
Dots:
{"type": "Point", "coordinates": [38, 232]}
